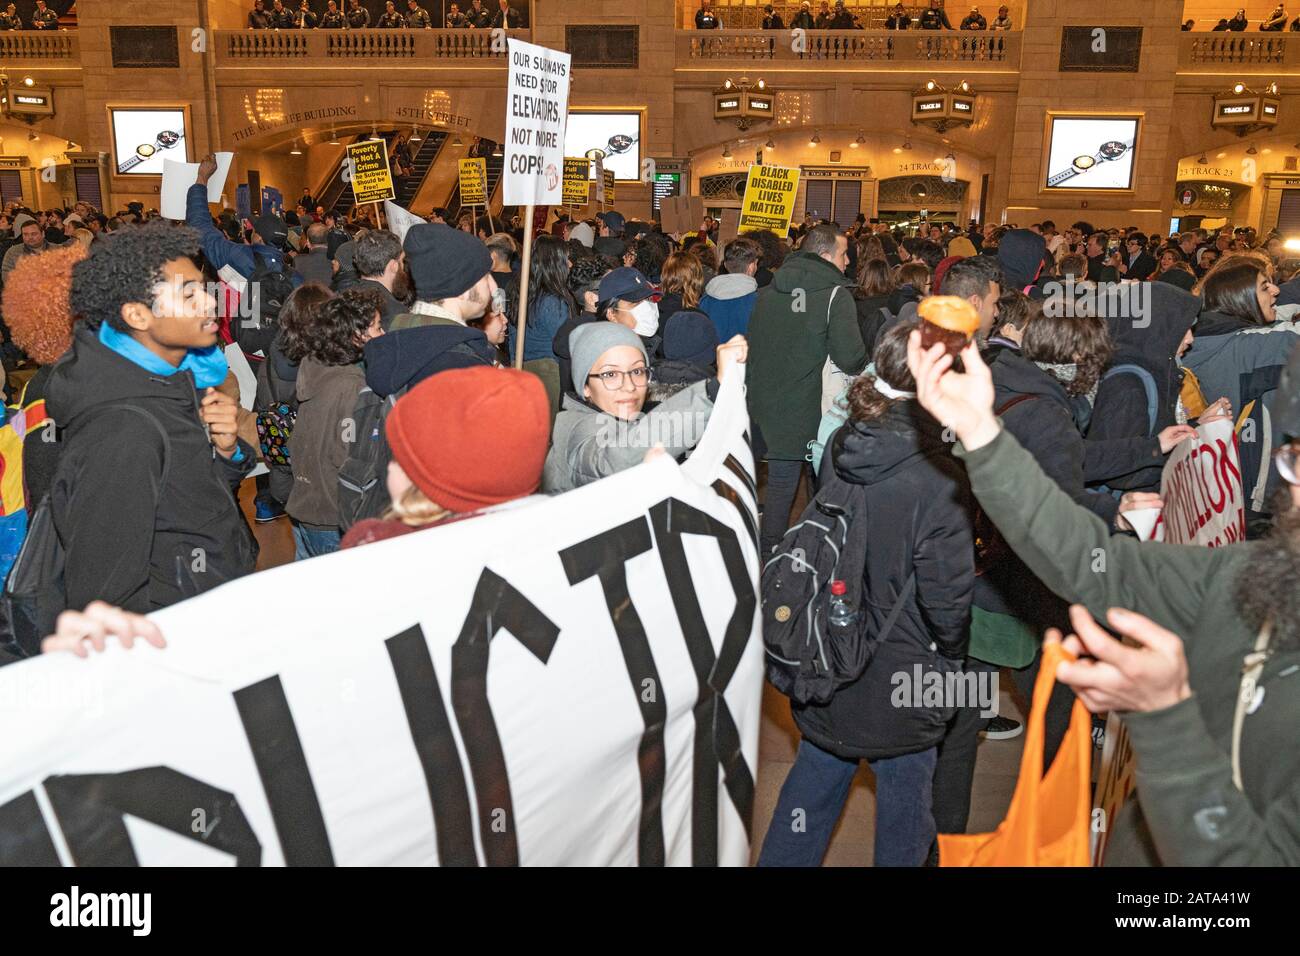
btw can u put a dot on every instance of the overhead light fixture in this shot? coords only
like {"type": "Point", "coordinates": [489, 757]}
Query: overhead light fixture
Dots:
{"type": "Point", "coordinates": [32, 137]}
{"type": "Point", "coordinates": [1252, 151]}
{"type": "Point", "coordinates": [415, 135]}
{"type": "Point", "coordinates": [295, 151]}
{"type": "Point", "coordinates": [1204, 160]}
{"type": "Point", "coordinates": [930, 85]}
{"type": "Point", "coordinates": [1239, 88]}
{"type": "Point", "coordinates": [964, 87]}
{"type": "Point", "coordinates": [762, 84]}
{"type": "Point", "coordinates": [28, 81]}
{"type": "Point", "coordinates": [456, 142]}
{"type": "Point", "coordinates": [951, 156]}
{"type": "Point", "coordinates": [727, 85]}
{"type": "Point", "coordinates": [334, 139]}
{"type": "Point", "coordinates": [862, 138]}
{"type": "Point", "coordinates": [769, 144]}
{"type": "Point", "coordinates": [726, 151]}
{"type": "Point", "coordinates": [816, 138]}
{"type": "Point", "coordinates": [496, 150]}
{"type": "Point", "coordinates": [1272, 88]}
{"type": "Point", "coordinates": [907, 144]}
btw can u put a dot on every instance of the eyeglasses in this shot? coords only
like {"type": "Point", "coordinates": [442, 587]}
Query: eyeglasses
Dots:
{"type": "Point", "coordinates": [1285, 458]}
{"type": "Point", "coordinates": [613, 379]}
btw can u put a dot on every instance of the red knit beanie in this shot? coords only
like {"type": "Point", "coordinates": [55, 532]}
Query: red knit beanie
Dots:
{"type": "Point", "coordinates": [472, 437]}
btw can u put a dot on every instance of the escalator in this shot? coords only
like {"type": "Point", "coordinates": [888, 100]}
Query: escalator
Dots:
{"type": "Point", "coordinates": [408, 188]}
{"type": "Point", "coordinates": [336, 194]}
{"type": "Point", "coordinates": [495, 165]}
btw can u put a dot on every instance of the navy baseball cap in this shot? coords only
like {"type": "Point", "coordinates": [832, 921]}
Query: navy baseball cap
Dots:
{"type": "Point", "coordinates": [627, 284]}
{"type": "Point", "coordinates": [613, 221]}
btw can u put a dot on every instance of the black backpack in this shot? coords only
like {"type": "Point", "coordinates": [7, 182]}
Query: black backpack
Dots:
{"type": "Point", "coordinates": [363, 485]}
{"type": "Point", "coordinates": [269, 286]}
{"type": "Point", "coordinates": [34, 592]}
{"type": "Point", "coordinates": [807, 658]}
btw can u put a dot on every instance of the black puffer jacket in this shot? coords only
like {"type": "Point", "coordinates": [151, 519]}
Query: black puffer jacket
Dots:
{"type": "Point", "coordinates": [919, 519]}
{"type": "Point", "coordinates": [138, 535]}
{"type": "Point", "coordinates": [1043, 420]}
{"type": "Point", "coordinates": [406, 357]}
{"type": "Point", "coordinates": [1151, 342]}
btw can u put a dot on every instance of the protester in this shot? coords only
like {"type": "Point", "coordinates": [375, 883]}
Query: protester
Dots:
{"type": "Point", "coordinates": [805, 317]}
{"type": "Point", "coordinates": [681, 284]}
{"type": "Point", "coordinates": [690, 348]}
{"type": "Point", "coordinates": [871, 295]}
{"type": "Point", "coordinates": [627, 298]}
{"type": "Point", "coordinates": [604, 431]}
{"type": "Point", "coordinates": [550, 303]}
{"type": "Point", "coordinates": [451, 271]}
{"type": "Point", "coordinates": [33, 243]}
{"type": "Point", "coordinates": [143, 486]}
{"type": "Point", "coordinates": [919, 574]}
{"type": "Point", "coordinates": [1215, 780]}
{"type": "Point", "coordinates": [327, 344]}
{"type": "Point", "coordinates": [378, 260]}
{"type": "Point", "coordinates": [729, 298]}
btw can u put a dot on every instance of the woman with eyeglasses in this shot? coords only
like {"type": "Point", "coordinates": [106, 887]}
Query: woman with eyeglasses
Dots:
{"type": "Point", "coordinates": [601, 429]}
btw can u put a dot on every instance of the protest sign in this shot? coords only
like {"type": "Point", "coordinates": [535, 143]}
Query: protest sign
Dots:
{"type": "Point", "coordinates": [769, 198]}
{"type": "Point", "coordinates": [177, 178]}
{"type": "Point", "coordinates": [581, 687]}
{"type": "Point", "coordinates": [601, 181]}
{"type": "Point", "coordinates": [372, 181]}
{"type": "Point", "coordinates": [1204, 504]}
{"type": "Point", "coordinates": [473, 182]}
{"type": "Point", "coordinates": [537, 107]}
{"type": "Point", "coordinates": [608, 176]}
{"type": "Point", "coordinates": [728, 226]}
{"type": "Point", "coordinates": [400, 220]}
{"type": "Point", "coordinates": [577, 180]}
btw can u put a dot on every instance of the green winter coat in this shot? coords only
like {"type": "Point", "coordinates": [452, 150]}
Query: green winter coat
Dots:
{"type": "Point", "coordinates": [1187, 811]}
{"type": "Point", "coordinates": [793, 328]}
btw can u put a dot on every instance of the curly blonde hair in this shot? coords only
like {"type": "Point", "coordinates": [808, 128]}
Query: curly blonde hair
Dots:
{"type": "Point", "coordinates": [35, 303]}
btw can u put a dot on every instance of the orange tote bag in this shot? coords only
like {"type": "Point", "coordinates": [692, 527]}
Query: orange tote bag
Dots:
{"type": "Point", "coordinates": [1047, 822]}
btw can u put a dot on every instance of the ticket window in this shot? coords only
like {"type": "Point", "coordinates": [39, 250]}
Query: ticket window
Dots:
{"type": "Point", "coordinates": [839, 200]}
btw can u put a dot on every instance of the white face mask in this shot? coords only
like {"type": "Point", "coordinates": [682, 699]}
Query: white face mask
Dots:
{"type": "Point", "coordinates": [646, 314]}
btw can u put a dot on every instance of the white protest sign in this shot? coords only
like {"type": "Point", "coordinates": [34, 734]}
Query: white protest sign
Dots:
{"type": "Point", "coordinates": [600, 180]}
{"type": "Point", "coordinates": [177, 178]}
{"type": "Point", "coordinates": [579, 685]}
{"type": "Point", "coordinates": [399, 219]}
{"type": "Point", "coordinates": [537, 108]}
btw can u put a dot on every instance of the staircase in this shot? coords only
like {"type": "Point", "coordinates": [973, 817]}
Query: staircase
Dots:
{"type": "Point", "coordinates": [495, 165]}
{"type": "Point", "coordinates": [407, 189]}
{"type": "Point", "coordinates": [336, 194]}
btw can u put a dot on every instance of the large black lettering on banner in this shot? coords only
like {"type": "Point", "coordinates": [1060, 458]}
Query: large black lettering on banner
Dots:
{"type": "Point", "coordinates": [717, 739]}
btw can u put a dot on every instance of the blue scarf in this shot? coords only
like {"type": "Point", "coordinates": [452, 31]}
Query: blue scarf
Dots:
{"type": "Point", "coordinates": [208, 365]}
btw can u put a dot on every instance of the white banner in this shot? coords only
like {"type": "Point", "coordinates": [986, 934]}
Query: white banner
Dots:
{"type": "Point", "coordinates": [400, 220]}
{"type": "Point", "coordinates": [571, 680]}
{"type": "Point", "coordinates": [537, 106]}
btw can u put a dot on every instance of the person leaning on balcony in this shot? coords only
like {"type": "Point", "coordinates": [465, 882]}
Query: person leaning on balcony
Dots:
{"type": "Point", "coordinates": [258, 18]}
{"type": "Point", "coordinates": [358, 17]}
{"type": "Point", "coordinates": [803, 20]}
{"type": "Point", "coordinates": [1276, 21]}
{"type": "Point", "coordinates": [974, 20]}
{"type": "Point", "coordinates": [281, 19]}
{"type": "Point", "coordinates": [455, 19]}
{"type": "Point", "coordinates": [417, 18]}
{"type": "Point", "coordinates": [506, 17]}
{"type": "Point", "coordinates": [477, 16]}
{"type": "Point", "coordinates": [1238, 23]}
{"type": "Point", "coordinates": [771, 19]}
{"type": "Point", "coordinates": [898, 19]}
{"type": "Point", "coordinates": [1003, 22]}
{"type": "Point", "coordinates": [842, 19]}
{"type": "Point", "coordinates": [705, 18]}
{"type": "Point", "coordinates": [10, 20]}
{"type": "Point", "coordinates": [824, 16]}
{"type": "Point", "coordinates": [390, 19]}
{"type": "Point", "coordinates": [43, 18]}
{"type": "Point", "coordinates": [305, 18]}
{"type": "Point", "coordinates": [935, 18]}
{"type": "Point", "coordinates": [332, 18]}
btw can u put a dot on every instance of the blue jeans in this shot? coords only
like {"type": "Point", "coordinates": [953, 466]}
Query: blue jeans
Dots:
{"type": "Point", "coordinates": [311, 542]}
{"type": "Point", "coordinates": [813, 798]}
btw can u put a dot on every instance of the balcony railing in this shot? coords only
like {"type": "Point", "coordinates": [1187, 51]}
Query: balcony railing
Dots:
{"type": "Point", "coordinates": [885, 46]}
{"type": "Point", "coordinates": [39, 45]}
{"type": "Point", "coordinates": [238, 47]}
{"type": "Point", "coordinates": [1205, 50]}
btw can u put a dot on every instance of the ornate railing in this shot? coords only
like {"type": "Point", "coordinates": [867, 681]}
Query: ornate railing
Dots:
{"type": "Point", "coordinates": [239, 46]}
{"type": "Point", "coordinates": [1232, 48]}
{"type": "Point", "coordinates": [39, 45]}
{"type": "Point", "coordinates": [1000, 47]}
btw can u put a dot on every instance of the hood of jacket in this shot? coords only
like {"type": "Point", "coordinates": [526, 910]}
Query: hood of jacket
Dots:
{"type": "Point", "coordinates": [91, 374]}
{"type": "Point", "coordinates": [406, 356]}
{"type": "Point", "coordinates": [1014, 375]}
{"type": "Point", "coordinates": [867, 453]}
{"type": "Point", "coordinates": [1021, 255]}
{"type": "Point", "coordinates": [1152, 339]}
{"type": "Point", "coordinates": [1218, 323]}
{"type": "Point", "coordinates": [731, 286]}
{"type": "Point", "coordinates": [803, 270]}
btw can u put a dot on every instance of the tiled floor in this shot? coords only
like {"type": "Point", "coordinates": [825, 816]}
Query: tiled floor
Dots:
{"type": "Point", "coordinates": [995, 771]}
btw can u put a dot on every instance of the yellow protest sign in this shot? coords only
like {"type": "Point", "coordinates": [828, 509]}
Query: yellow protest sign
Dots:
{"type": "Point", "coordinates": [609, 187]}
{"type": "Point", "coordinates": [371, 179]}
{"type": "Point", "coordinates": [769, 199]}
{"type": "Point", "coordinates": [473, 182]}
{"type": "Point", "coordinates": [577, 180]}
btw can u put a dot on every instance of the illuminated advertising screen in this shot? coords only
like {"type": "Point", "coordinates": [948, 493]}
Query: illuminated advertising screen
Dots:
{"type": "Point", "coordinates": [1091, 152]}
{"type": "Point", "coordinates": [143, 138]}
{"type": "Point", "coordinates": [617, 135]}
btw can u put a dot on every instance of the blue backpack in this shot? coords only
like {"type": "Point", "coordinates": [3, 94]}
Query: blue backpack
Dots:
{"type": "Point", "coordinates": [1148, 385]}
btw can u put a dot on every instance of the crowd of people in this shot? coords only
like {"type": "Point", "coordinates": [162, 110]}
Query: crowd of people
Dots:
{"type": "Point", "coordinates": [933, 17]}
{"type": "Point", "coordinates": [379, 361]}
{"type": "Point", "coordinates": [355, 16]}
